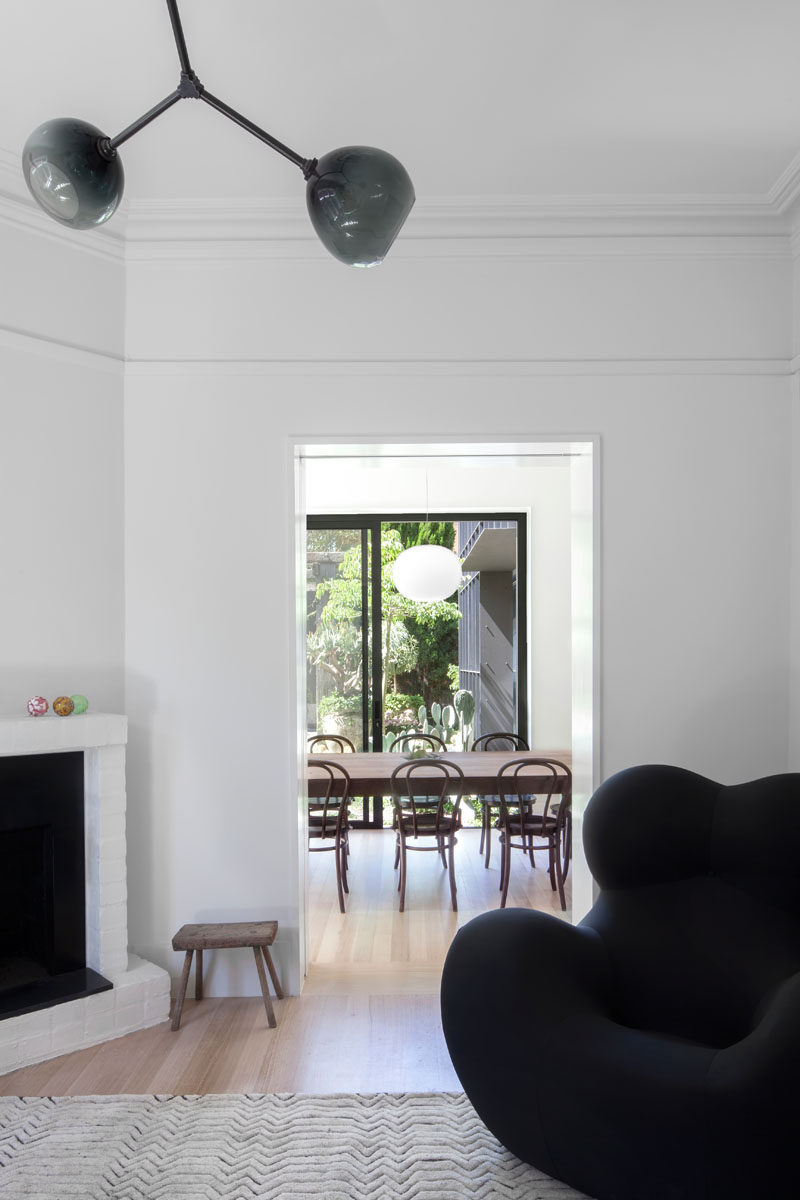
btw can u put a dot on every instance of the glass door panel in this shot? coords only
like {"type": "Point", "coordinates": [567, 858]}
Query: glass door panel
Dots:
{"type": "Point", "coordinates": [337, 623]}
{"type": "Point", "coordinates": [343, 649]}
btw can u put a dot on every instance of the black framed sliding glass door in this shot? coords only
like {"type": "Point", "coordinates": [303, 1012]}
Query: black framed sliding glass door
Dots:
{"type": "Point", "coordinates": [378, 665]}
{"type": "Point", "coordinates": [343, 635]}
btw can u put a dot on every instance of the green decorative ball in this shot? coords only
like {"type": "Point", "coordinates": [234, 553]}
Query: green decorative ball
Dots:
{"type": "Point", "coordinates": [80, 702]}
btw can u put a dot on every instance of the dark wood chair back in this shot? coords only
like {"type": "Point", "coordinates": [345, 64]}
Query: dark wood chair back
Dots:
{"type": "Point", "coordinates": [420, 800]}
{"type": "Point", "coordinates": [429, 740]}
{"type": "Point", "coordinates": [518, 784]}
{"type": "Point", "coordinates": [329, 812]}
{"type": "Point", "coordinates": [330, 743]}
{"type": "Point", "coordinates": [500, 741]}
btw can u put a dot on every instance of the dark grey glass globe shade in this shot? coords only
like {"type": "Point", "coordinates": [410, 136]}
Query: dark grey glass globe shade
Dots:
{"type": "Point", "coordinates": [358, 198]}
{"type": "Point", "coordinates": [67, 175]}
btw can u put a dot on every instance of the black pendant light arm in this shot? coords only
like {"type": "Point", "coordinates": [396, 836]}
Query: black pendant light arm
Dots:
{"type": "Point", "coordinates": [190, 87]}
{"type": "Point", "coordinates": [180, 40]}
{"type": "Point", "coordinates": [306, 165]}
{"type": "Point", "coordinates": [108, 146]}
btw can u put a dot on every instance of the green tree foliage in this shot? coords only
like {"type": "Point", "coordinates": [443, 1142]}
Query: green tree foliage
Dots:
{"type": "Point", "coordinates": [332, 539]}
{"type": "Point", "coordinates": [436, 635]}
{"type": "Point", "coordinates": [418, 640]}
{"type": "Point", "coordinates": [335, 648]}
{"type": "Point", "coordinates": [434, 628]}
{"type": "Point", "coordinates": [420, 533]}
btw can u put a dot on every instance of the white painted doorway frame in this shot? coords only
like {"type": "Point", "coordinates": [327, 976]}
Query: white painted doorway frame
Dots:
{"type": "Point", "coordinates": [584, 453]}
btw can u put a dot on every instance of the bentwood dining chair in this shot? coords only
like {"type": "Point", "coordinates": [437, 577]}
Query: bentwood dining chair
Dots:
{"type": "Point", "coordinates": [494, 741]}
{"type": "Point", "coordinates": [413, 741]}
{"type": "Point", "coordinates": [520, 783]}
{"type": "Point", "coordinates": [427, 743]}
{"type": "Point", "coordinates": [330, 743]}
{"type": "Point", "coordinates": [500, 741]}
{"type": "Point", "coordinates": [333, 743]}
{"type": "Point", "coordinates": [427, 798]}
{"type": "Point", "coordinates": [328, 818]}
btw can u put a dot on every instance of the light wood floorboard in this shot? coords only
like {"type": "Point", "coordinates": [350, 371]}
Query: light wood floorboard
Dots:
{"type": "Point", "coordinates": [368, 1019]}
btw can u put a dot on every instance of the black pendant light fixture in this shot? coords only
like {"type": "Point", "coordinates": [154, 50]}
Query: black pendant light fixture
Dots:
{"type": "Point", "coordinates": [358, 197]}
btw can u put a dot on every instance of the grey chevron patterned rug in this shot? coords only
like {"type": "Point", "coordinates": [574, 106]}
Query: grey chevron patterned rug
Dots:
{"type": "Point", "coordinates": [286, 1147]}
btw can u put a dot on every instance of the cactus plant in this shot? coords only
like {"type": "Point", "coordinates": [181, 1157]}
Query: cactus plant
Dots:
{"type": "Point", "coordinates": [464, 704]}
{"type": "Point", "coordinates": [453, 722]}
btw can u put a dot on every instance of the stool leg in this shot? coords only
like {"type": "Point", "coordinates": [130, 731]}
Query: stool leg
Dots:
{"type": "Point", "coordinates": [262, 979]}
{"type": "Point", "coordinates": [198, 976]}
{"type": "Point", "coordinates": [273, 974]}
{"type": "Point", "coordinates": [181, 996]}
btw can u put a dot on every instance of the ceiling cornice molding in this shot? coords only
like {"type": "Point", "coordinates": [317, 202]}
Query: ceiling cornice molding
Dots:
{"type": "Point", "coordinates": [12, 184]}
{"type": "Point", "coordinates": [794, 237]}
{"type": "Point", "coordinates": [26, 342]}
{"type": "Point", "coordinates": [478, 219]}
{"type": "Point", "coordinates": [784, 194]}
{"type": "Point", "coordinates": [60, 350]}
{"type": "Point", "coordinates": [100, 243]}
{"type": "Point", "coordinates": [468, 218]}
{"type": "Point", "coordinates": [559, 248]}
{"type": "Point", "coordinates": [462, 368]}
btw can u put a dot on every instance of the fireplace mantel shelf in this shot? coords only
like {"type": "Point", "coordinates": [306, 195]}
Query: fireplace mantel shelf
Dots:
{"type": "Point", "coordinates": [50, 733]}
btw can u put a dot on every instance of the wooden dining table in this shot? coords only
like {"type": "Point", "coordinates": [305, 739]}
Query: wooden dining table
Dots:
{"type": "Point", "coordinates": [370, 772]}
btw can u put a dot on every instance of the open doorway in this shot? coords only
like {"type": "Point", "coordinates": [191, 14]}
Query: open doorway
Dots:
{"type": "Point", "coordinates": [552, 485]}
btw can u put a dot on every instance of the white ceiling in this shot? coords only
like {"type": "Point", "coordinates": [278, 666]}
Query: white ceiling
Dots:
{"type": "Point", "coordinates": [538, 99]}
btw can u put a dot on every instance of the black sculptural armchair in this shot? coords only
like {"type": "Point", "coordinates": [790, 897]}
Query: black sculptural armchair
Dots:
{"type": "Point", "coordinates": [658, 1052]}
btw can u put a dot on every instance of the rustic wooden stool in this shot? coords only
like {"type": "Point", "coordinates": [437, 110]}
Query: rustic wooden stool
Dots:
{"type": "Point", "coordinates": [197, 938]}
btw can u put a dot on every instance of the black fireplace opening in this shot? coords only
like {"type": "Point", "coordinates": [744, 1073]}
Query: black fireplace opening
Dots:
{"type": "Point", "coordinates": [42, 884]}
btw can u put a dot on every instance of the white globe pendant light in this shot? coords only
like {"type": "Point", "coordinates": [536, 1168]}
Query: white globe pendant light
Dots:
{"type": "Point", "coordinates": [427, 573]}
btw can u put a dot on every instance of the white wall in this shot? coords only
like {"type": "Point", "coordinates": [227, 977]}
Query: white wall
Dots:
{"type": "Point", "coordinates": [673, 351]}
{"type": "Point", "coordinates": [548, 299]}
{"type": "Point", "coordinates": [61, 466]}
{"type": "Point", "coordinates": [539, 486]}
{"type": "Point", "coordinates": [694, 622]}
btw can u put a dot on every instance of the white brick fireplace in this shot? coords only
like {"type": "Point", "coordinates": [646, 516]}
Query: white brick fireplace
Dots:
{"type": "Point", "coordinates": [140, 993]}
